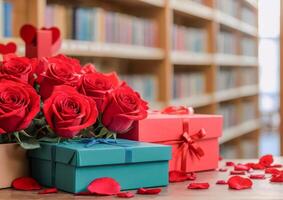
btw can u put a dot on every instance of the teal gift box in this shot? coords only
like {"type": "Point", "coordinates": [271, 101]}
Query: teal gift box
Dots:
{"type": "Point", "coordinates": [72, 166]}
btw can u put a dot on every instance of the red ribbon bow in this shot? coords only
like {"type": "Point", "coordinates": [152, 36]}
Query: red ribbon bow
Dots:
{"type": "Point", "coordinates": [177, 110]}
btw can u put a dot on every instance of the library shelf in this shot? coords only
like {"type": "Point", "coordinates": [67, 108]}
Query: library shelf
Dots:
{"type": "Point", "coordinates": [192, 9]}
{"type": "Point", "coordinates": [235, 60]}
{"type": "Point", "coordinates": [252, 3]}
{"type": "Point", "coordinates": [235, 93]}
{"type": "Point", "coordinates": [188, 58]}
{"type": "Point", "coordinates": [240, 130]}
{"type": "Point", "coordinates": [194, 101]}
{"type": "Point", "coordinates": [155, 3]}
{"type": "Point", "coordinates": [235, 24]}
{"type": "Point", "coordinates": [95, 49]}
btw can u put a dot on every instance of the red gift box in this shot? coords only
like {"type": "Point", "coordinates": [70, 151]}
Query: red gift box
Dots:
{"type": "Point", "coordinates": [194, 138]}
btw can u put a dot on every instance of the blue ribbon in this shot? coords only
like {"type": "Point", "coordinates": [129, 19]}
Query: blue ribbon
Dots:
{"type": "Point", "coordinates": [89, 142]}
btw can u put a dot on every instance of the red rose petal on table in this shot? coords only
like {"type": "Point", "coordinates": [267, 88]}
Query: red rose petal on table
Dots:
{"type": "Point", "coordinates": [266, 160]}
{"type": "Point", "coordinates": [198, 186]}
{"type": "Point", "coordinates": [230, 164]}
{"type": "Point", "coordinates": [272, 171]}
{"type": "Point", "coordinates": [256, 166]}
{"type": "Point", "coordinates": [125, 195]}
{"type": "Point", "coordinates": [26, 184]}
{"type": "Point", "coordinates": [257, 176]}
{"type": "Point", "coordinates": [237, 173]}
{"type": "Point", "coordinates": [149, 191]}
{"type": "Point", "coordinates": [223, 170]}
{"type": "Point", "coordinates": [275, 166]}
{"type": "Point", "coordinates": [241, 167]}
{"type": "Point", "coordinates": [239, 183]}
{"type": "Point", "coordinates": [104, 186]}
{"type": "Point", "coordinates": [179, 176]}
{"type": "Point", "coordinates": [277, 178]}
{"type": "Point", "coordinates": [221, 182]}
{"type": "Point", "coordinates": [49, 191]}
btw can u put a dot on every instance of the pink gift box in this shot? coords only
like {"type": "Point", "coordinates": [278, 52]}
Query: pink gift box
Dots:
{"type": "Point", "coordinates": [194, 138]}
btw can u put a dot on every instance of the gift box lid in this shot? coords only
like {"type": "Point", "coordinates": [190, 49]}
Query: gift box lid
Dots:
{"type": "Point", "coordinates": [124, 151]}
{"type": "Point", "coordinates": [159, 127]}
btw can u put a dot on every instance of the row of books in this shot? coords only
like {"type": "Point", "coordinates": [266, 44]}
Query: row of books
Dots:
{"type": "Point", "coordinates": [248, 16]}
{"type": "Point", "coordinates": [145, 85]}
{"type": "Point", "coordinates": [226, 42]}
{"type": "Point", "coordinates": [97, 24]}
{"type": "Point", "coordinates": [228, 6]}
{"type": "Point", "coordinates": [188, 84]}
{"type": "Point", "coordinates": [6, 18]}
{"type": "Point", "coordinates": [189, 38]}
{"type": "Point", "coordinates": [248, 111]}
{"type": "Point", "coordinates": [249, 76]}
{"type": "Point", "coordinates": [226, 78]}
{"type": "Point", "coordinates": [229, 113]}
{"type": "Point", "coordinates": [248, 46]}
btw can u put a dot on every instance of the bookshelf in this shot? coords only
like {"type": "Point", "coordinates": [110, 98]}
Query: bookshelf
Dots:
{"type": "Point", "coordinates": [164, 54]}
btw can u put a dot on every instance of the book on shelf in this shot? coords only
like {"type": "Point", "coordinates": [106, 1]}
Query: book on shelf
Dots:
{"type": "Point", "coordinates": [229, 113]}
{"type": "Point", "coordinates": [248, 16]}
{"type": "Point", "coordinates": [249, 76]}
{"type": "Point", "coordinates": [6, 19]}
{"type": "Point", "coordinates": [189, 39]}
{"type": "Point", "coordinates": [188, 85]}
{"type": "Point", "coordinates": [226, 78]}
{"type": "Point", "coordinates": [248, 110]}
{"type": "Point", "coordinates": [99, 25]}
{"type": "Point", "coordinates": [146, 85]}
{"type": "Point", "coordinates": [248, 46]}
{"type": "Point", "coordinates": [229, 7]}
{"type": "Point", "coordinates": [226, 42]}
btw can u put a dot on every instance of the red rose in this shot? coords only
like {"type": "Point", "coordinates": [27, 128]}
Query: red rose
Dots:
{"type": "Point", "coordinates": [96, 85]}
{"type": "Point", "coordinates": [59, 71]}
{"type": "Point", "coordinates": [67, 112]}
{"type": "Point", "coordinates": [19, 104]}
{"type": "Point", "coordinates": [123, 106]}
{"type": "Point", "coordinates": [18, 67]}
{"type": "Point", "coordinates": [88, 68]}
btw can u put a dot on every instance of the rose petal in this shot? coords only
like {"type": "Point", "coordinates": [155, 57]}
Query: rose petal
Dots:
{"type": "Point", "coordinates": [241, 167]}
{"type": "Point", "coordinates": [277, 178]}
{"type": "Point", "coordinates": [26, 184]}
{"type": "Point", "coordinates": [272, 171]}
{"type": "Point", "coordinates": [104, 186]}
{"type": "Point", "coordinates": [221, 182]}
{"type": "Point", "coordinates": [230, 164]}
{"type": "Point", "coordinates": [257, 166]}
{"type": "Point", "coordinates": [222, 170]}
{"type": "Point", "coordinates": [237, 173]}
{"type": "Point", "coordinates": [275, 166]}
{"type": "Point", "coordinates": [257, 176]}
{"type": "Point", "coordinates": [125, 195]}
{"type": "Point", "coordinates": [198, 186]}
{"type": "Point", "coordinates": [149, 191]}
{"type": "Point", "coordinates": [49, 191]}
{"type": "Point", "coordinates": [266, 160]}
{"type": "Point", "coordinates": [239, 183]}
{"type": "Point", "coordinates": [179, 176]}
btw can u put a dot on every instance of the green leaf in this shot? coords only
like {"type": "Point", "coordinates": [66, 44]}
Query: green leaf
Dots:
{"type": "Point", "coordinates": [26, 142]}
{"type": "Point", "coordinates": [48, 139]}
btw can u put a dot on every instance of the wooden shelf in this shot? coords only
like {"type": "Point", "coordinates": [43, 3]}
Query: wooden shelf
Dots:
{"type": "Point", "coordinates": [155, 3]}
{"type": "Point", "coordinates": [235, 60]}
{"type": "Point", "coordinates": [252, 3]}
{"type": "Point", "coordinates": [234, 93]}
{"type": "Point", "coordinates": [187, 58]}
{"type": "Point", "coordinates": [85, 48]}
{"type": "Point", "coordinates": [235, 24]}
{"type": "Point", "coordinates": [192, 9]}
{"type": "Point", "coordinates": [195, 101]}
{"type": "Point", "coordinates": [239, 130]}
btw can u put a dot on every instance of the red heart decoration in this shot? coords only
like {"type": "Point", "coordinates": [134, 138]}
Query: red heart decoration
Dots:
{"type": "Point", "coordinates": [55, 33]}
{"type": "Point", "coordinates": [11, 47]}
{"type": "Point", "coordinates": [28, 33]}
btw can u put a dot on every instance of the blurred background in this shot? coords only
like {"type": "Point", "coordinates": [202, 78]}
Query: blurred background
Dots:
{"type": "Point", "coordinates": [218, 56]}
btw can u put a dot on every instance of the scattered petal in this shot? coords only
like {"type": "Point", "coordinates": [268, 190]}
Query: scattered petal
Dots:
{"type": "Point", "coordinates": [272, 171]}
{"type": "Point", "coordinates": [149, 191]}
{"type": "Point", "coordinates": [125, 195]}
{"type": "Point", "coordinates": [237, 173]}
{"type": "Point", "coordinates": [256, 166]}
{"type": "Point", "coordinates": [277, 178]}
{"type": "Point", "coordinates": [223, 170]}
{"type": "Point", "coordinates": [239, 183]}
{"type": "Point", "coordinates": [198, 186]}
{"type": "Point", "coordinates": [48, 191]}
{"type": "Point", "coordinates": [104, 186]}
{"type": "Point", "coordinates": [241, 167]}
{"type": "Point", "coordinates": [26, 184]}
{"type": "Point", "coordinates": [221, 182]}
{"type": "Point", "coordinates": [266, 160]}
{"type": "Point", "coordinates": [230, 164]}
{"type": "Point", "coordinates": [275, 166]}
{"type": "Point", "coordinates": [257, 176]}
{"type": "Point", "coordinates": [179, 176]}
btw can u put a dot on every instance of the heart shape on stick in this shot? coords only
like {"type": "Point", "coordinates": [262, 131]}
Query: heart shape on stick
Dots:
{"type": "Point", "coordinates": [10, 47]}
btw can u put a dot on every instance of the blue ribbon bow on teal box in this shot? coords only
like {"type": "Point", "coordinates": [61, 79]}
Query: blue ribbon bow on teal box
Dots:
{"type": "Point", "coordinates": [72, 166]}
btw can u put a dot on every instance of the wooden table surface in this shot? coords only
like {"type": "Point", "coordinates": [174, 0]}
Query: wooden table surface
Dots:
{"type": "Point", "coordinates": [262, 189]}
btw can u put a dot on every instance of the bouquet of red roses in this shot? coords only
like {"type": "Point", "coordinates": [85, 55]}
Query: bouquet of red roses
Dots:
{"type": "Point", "coordinates": [57, 98]}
